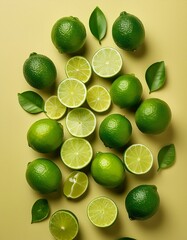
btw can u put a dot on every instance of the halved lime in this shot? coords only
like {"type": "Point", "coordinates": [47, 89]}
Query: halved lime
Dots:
{"type": "Point", "coordinates": [78, 67]}
{"type": "Point", "coordinates": [63, 225]}
{"type": "Point", "coordinates": [102, 211]}
{"type": "Point", "coordinates": [107, 62]}
{"type": "Point", "coordinates": [138, 159]}
{"type": "Point", "coordinates": [98, 98]}
{"type": "Point", "coordinates": [75, 185]}
{"type": "Point", "coordinates": [81, 122]}
{"type": "Point", "coordinates": [71, 92]}
{"type": "Point", "coordinates": [53, 108]}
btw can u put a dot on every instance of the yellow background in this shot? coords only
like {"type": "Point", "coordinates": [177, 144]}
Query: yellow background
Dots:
{"type": "Point", "coordinates": [25, 27]}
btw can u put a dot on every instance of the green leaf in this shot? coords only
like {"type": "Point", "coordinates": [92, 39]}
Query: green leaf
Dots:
{"type": "Point", "coordinates": [155, 76]}
{"type": "Point", "coordinates": [126, 238]}
{"type": "Point", "coordinates": [31, 102]}
{"type": "Point", "coordinates": [166, 156]}
{"type": "Point", "coordinates": [40, 210]}
{"type": "Point", "coordinates": [98, 24]}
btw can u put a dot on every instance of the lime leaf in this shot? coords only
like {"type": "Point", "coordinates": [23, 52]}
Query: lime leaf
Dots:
{"type": "Point", "coordinates": [126, 238]}
{"type": "Point", "coordinates": [155, 76]}
{"type": "Point", "coordinates": [40, 210]}
{"type": "Point", "coordinates": [98, 24]}
{"type": "Point", "coordinates": [31, 102]}
{"type": "Point", "coordinates": [166, 156]}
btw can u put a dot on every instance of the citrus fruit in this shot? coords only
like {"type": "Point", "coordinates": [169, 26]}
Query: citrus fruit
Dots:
{"type": "Point", "coordinates": [115, 130]}
{"type": "Point", "coordinates": [142, 202]}
{"type": "Point", "coordinates": [138, 159]}
{"type": "Point", "coordinates": [107, 62]}
{"type": "Point", "coordinates": [153, 116]}
{"type": "Point", "coordinates": [126, 91]}
{"type": "Point", "coordinates": [68, 34]}
{"type": "Point", "coordinates": [53, 108]}
{"type": "Point", "coordinates": [128, 31]}
{"type": "Point", "coordinates": [45, 135]}
{"type": "Point", "coordinates": [75, 185]}
{"type": "Point", "coordinates": [81, 122]}
{"type": "Point", "coordinates": [71, 92]}
{"type": "Point", "coordinates": [63, 225]}
{"type": "Point", "coordinates": [107, 169]}
{"type": "Point", "coordinates": [43, 175]}
{"type": "Point", "coordinates": [98, 98]}
{"type": "Point", "coordinates": [102, 211]}
{"type": "Point", "coordinates": [76, 153]}
{"type": "Point", "coordinates": [78, 67]}
{"type": "Point", "coordinates": [39, 71]}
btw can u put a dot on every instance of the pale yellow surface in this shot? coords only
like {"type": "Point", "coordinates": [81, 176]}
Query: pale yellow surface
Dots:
{"type": "Point", "coordinates": [25, 27]}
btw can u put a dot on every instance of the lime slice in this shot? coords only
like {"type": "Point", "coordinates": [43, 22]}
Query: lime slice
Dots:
{"type": "Point", "coordinates": [63, 225]}
{"type": "Point", "coordinates": [107, 62]}
{"type": "Point", "coordinates": [75, 185]}
{"type": "Point", "coordinates": [98, 98]}
{"type": "Point", "coordinates": [72, 92]}
{"type": "Point", "coordinates": [78, 67]}
{"type": "Point", "coordinates": [102, 211]}
{"type": "Point", "coordinates": [138, 159]}
{"type": "Point", "coordinates": [53, 108]}
{"type": "Point", "coordinates": [81, 122]}
{"type": "Point", "coordinates": [76, 153]}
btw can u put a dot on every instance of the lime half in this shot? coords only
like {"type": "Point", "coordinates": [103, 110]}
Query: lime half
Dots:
{"type": "Point", "coordinates": [138, 159]}
{"type": "Point", "coordinates": [102, 211]}
{"type": "Point", "coordinates": [63, 225]}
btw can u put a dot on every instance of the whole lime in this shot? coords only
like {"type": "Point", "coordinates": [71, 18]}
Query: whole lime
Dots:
{"type": "Point", "coordinates": [45, 135]}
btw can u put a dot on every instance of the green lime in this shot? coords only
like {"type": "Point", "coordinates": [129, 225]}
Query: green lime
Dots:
{"type": "Point", "coordinates": [102, 212]}
{"type": "Point", "coordinates": [63, 225]}
{"type": "Point", "coordinates": [108, 170]}
{"type": "Point", "coordinates": [128, 32]}
{"type": "Point", "coordinates": [43, 175]}
{"type": "Point", "coordinates": [126, 91]}
{"type": "Point", "coordinates": [68, 34]}
{"type": "Point", "coordinates": [115, 130]}
{"type": "Point", "coordinates": [45, 135]}
{"type": "Point", "coordinates": [142, 202]}
{"type": "Point", "coordinates": [39, 71]}
{"type": "Point", "coordinates": [153, 116]}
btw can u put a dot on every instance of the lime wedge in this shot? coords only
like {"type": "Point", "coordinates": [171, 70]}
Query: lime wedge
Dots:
{"type": "Point", "coordinates": [71, 92]}
{"type": "Point", "coordinates": [107, 62]}
{"type": "Point", "coordinates": [98, 98]}
{"type": "Point", "coordinates": [81, 122]}
{"type": "Point", "coordinates": [78, 67]}
{"type": "Point", "coordinates": [75, 185]}
{"type": "Point", "coordinates": [102, 211]}
{"type": "Point", "coordinates": [63, 225]}
{"type": "Point", "coordinates": [138, 159]}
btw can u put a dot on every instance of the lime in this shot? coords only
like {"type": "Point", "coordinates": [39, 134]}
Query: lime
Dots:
{"type": "Point", "coordinates": [142, 202]}
{"type": "Point", "coordinates": [53, 108]}
{"type": "Point", "coordinates": [153, 116]}
{"type": "Point", "coordinates": [63, 225]}
{"type": "Point", "coordinates": [78, 67]}
{"type": "Point", "coordinates": [39, 71]}
{"type": "Point", "coordinates": [43, 175]}
{"type": "Point", "coordinates": [68, 34]}
{"type": "Point", "coordinates": [107, 62]}
{"type": "Point", "coordinates": [75, 185]}
{"type": "Point", "coordinates": [126, 91]}
{"type": "Point", "coordinates": [76, 153]}
{"type": "Point", "coordinates": [102, 211]}
{"type": "Point", "coordinates": [98, 98]}
{"type": "Point", "coordinates": [45, 135]}
{"type": "Point", "coordinates": [81, 122]}
{"type": "Point", "coordinates": [128, 32]}
{"type": "Point", "coordinates": [71, 92]}
{"type": "Point", "coordinates": [107, 169]}
{"type": "Point", "coordinates": [115, 130]}
{"type": "Point", "coordinates": [138, 159]}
